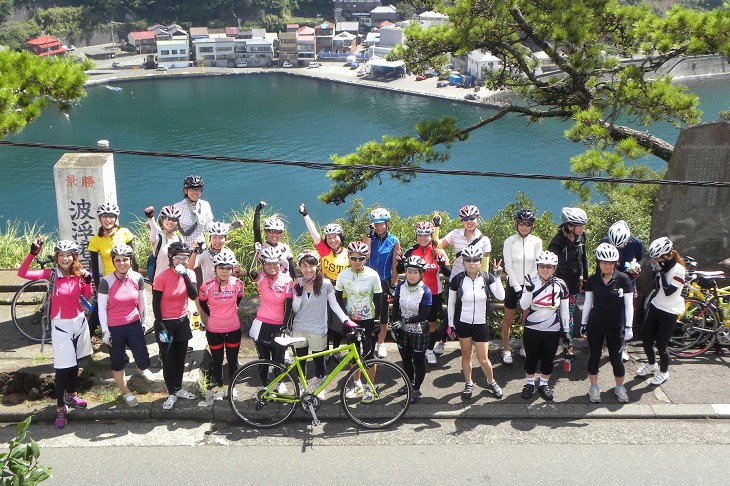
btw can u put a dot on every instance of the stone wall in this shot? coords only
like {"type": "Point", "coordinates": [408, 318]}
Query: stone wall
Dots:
{"type": "Point", "coordinates": [697, 219]}
{"type": "Point", "coordinates": [696, 66]}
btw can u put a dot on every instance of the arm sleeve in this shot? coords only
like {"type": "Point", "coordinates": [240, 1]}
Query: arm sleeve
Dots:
{"type": "Point", "coordinates": [287, 310]}
{"type": "Point", "coordinates": [257, 226]}
{"type": "Point", "coordinates": [485, 263]}
{"type": "Point", "coordinates": [525, 300]}
{"type": "Point", "coordinates": [102, 299]}
{"type": "Point", "coordinates": [584, 264]}
{"type": "Point", "coordinates": [394, 265]}
{"type": "Point", "coordinates": [24, 272]}
{"type": "Point", "coordinates": [316, 238]}
{"type": "Point", "coordinates": [340, 300]}
{"type": "Point", "coordinates": [154, 230]}
{"type": "Point", "coordinates": [629, 309]}
{"type": "Point", "coordinates": [204, 306]}
{"type": "Point", "coordinates": [497, 288]}
{"type": "Point", "coordinates": [297, 300]}
{"type": "Point", "coordinates": [671, 286]}
{"type": "Point", "coordinates": [588, 305]}
{"type": "Point", "coordinates": [513, 278]}
{"type": "Point", "coordinates": [94, 261]}
{"type": "Point", "coordinates": [378, 303]}
{"type": "Point", "coordinates": [395, 306]}
{"type": "Point", "coordinates": [335, 306]}
{"type": "Point", "coordinates": [141, 301]}
{"type": "Point", "coordinates": [190, 286]}
{"type": "Point", "coordinates": [292, 269]}
{"type": "Point", "coordinates": [565, 314]}
{"type": "Point", "coordinates": [451, 308]}
{"type": "Point", "coordinates": [156, 304]}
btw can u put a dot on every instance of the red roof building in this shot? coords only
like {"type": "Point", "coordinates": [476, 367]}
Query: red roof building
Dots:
{"type": "Point", "coordinates": [45, 45]}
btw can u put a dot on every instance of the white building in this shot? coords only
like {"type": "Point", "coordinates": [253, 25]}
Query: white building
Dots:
{"type": "Point", "coordinates": [216, 51]}
{"type": "Point", "coordinates": [173, 52]}
{"type": "Point", "coordinates": [391, 36]}
{"type": "Point", "coordinates": [433, 18]}
{"type": "Point", "coordinates": [257, 52]}
{"type": "Point", "coordinates": [480, 63]}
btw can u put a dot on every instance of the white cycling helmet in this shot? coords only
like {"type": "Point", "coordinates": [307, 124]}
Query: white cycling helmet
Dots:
{"type": "Point", "coordinates": [416, 262]}
{"type": "Point", "coordinates": [619, 234]}
{"type": "Point", "coordinates": [69, 246]}
{"type": "Point", "coordinates": [219, 229]}
{"type": "Point", "coordinates": [660, 247]}
{"type": "Point", "coordinates": [425, 228]}
{"type": "Point", "coordinates": [332, 229]}
{"type": "Point", "coordinates": [122, 250]}
{"type": "Point", "coordinates": [358, 247]}
{"type": "Point", "coordinates": [547, 258]}
{"type": "Point", "coordinates": [273, 224]}
{"type": "Point", "coordinates": [379, 215]}
{"type": "Point", "coordinates": [224, 257]}
{"type": "Point", "coordinates": [170, 212]}
{"type": "Point", "coordinates": [574, 216]}
{"type": "Point", "coordinates": [606, 252]}
{"type": "Point", "coordinates": [107, 208]}
{"type": "Point", "coordinates": [270, 255]}
{"type": "Point", "coordinates": [469, 211]}
{"type": "Point", "coordinates": [307, 253]}
{"type": "Point", "coordinates": [472, 252]}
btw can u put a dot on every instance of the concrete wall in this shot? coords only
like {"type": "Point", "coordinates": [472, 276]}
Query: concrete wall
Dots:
{"type": "Point", "coordinates": [696, 66]}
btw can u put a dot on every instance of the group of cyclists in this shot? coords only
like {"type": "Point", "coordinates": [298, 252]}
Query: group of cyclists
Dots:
{"type": "Point", "coordinates": [321, 292]}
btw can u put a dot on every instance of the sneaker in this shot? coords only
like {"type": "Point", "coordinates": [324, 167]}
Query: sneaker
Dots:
{"type": "Point", "coordinates": [169, 403]}
{"type": "Point", "coordinates": [368, 396]}
{"type": "Point", "coordinates": [523, 355]}
{"type": "Point", "coordinates": [416, 395]}
{"type": "Point", "coordinates": [61, 420]}
{"type": "Point", "coordinates": [545, 391]}
{"type": "Point", "coordinates": [468, 391]}
{"type": "Point", "coordinates": [624, 354]}
{"type": "Point", "coordinates": [659, 378]}
{"type": "Point", "coordinates": [74, 400]}
{"type": "Point", "coordinates": [647, 369]}
{"type": "Point", "coordinates": [507, 357]}
{"type": "Point", "coordinates": [219, 393]}
{"type": "Point", "coordinates": [354, 392]}
{"type": "Point", "coordinates": [147, 375]}
{"type": "Point", "coordinates": [431, 357]}
{"type": "Point", "coordinates": [438, 348]}
{"type": "Point", "coordinates": [381, 352]}
{"type": "Point", "coordinates": [594, 393]}
{"type": "Point", "coordinates": [496, 389]}
{"type": "Point", "coordinates": [131, 401]}
{"type": "Point", "coordinates": [183, 393]}
{"type": "Point", "coordinates": [528, 390]}
{"type": "Point", "coordinates": [403, 390]}
{"type": "Point", "coordinates": [621, 393]}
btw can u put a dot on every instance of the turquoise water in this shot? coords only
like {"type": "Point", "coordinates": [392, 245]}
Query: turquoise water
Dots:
{"type": "Point", "coordinates": [282, 117]}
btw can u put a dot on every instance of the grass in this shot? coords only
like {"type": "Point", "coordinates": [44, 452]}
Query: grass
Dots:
{"type": "Point", "coordinates": [15, 242]}
{"type": "Point", "coordinates": [41, 359]}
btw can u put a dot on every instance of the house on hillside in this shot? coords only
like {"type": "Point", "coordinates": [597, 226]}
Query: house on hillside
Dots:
{"type": "Point", "coordinates": [306, 46]}
{"type": "Point", "coordinates": [354, 10]}
{"type": "Point", "coordinates": [173, 53]}
{"type": "Point", "coordinates": [344, 42]}
{"type": "Point", "coordinates": [433, 18]}
{"type": "Point", "coordinates": [145, 41]}
{"type": "Point", "coordinates": [44, 46]}
{"type": "Point", "coordinates": [288, 44]}
{"type": "Point", "coordinates": [383, 12]}
{"type": "Point", "coordinates": [258, 52]}
{"type": "Point", "coordinates": [215, 51]}
{"type": "Point", "coordinates": [479, 64]}
{"type": "Point", "coordinates": [324, 34]}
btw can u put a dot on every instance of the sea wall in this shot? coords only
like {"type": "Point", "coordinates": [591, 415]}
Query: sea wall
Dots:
{"type": "Point", "coordinates": [696, 66]}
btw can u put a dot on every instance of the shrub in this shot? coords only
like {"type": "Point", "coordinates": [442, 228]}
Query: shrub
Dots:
{"type": "Point", "coordinates": [19, 465]}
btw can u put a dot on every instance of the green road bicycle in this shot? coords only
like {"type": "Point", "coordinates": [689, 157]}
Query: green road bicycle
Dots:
{"type": "Point", "coordinates": [265, 393]}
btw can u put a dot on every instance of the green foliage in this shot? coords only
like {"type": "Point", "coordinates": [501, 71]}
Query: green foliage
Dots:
{"type": "Point", "coordinates": [19, 465]}
{"type": "Point", "coordinates": [725, 114]}
{"type": "Point", "coordinates": [14, 33]}
{"type": "Point", "coordinates": [15, 243]}
{"type": "Point", "coordinates": [62, 21]}
{"type": "Point", "coordinates": [29, 83]}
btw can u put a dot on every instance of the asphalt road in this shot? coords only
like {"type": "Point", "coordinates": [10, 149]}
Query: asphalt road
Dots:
{"type": "Point", "coordinates": [451, 452]}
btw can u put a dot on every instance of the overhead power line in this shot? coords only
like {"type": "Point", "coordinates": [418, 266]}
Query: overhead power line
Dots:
{"type": "Point", "coordinates": [383, 168]}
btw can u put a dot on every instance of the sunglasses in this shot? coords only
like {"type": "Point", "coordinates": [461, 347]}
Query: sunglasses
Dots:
{"type": "Point", "coordinates": [276, 232]}
{"type": "Point", "coordinates": [122, 260]}
{"type": "Point", "coordinates": [171, 219]}
{"type": "Point", "coordinates": [357, 259]}
{"type": "Point", "coordinates": [181, 257]}
{"type": "Point", "coordinates": [469, 218]}
{"type": "Point", "coordinates": [528, 224]}
{"type": "Point", "coordinates": [544, 265]}
{"type": "Point", "coordinates": [224, 267]}
{"type": "Point", "coordinates": [472, 260]}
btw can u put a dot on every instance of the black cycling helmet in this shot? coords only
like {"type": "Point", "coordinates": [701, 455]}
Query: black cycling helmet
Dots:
{"type": "Point", "coordinates": [193, 182]}
{"type": "Point", "coordinates": [525, 214]}
{"type": "Point", "coordinates": [176, 248]}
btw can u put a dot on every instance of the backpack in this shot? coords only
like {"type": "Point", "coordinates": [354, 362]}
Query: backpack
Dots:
{"type": "Point", "coordinates": [152, 262]}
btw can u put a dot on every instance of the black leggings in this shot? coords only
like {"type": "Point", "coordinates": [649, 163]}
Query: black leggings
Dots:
{"type": "Point", "coordinates": [66, 380]}
{"type": "Point", "coordinates": [319, 369]}
{"type": "Point", "coordinates": [414, 364]}
{"type": "Point", "coordinates": [173, 363]}
{"type": "Point", "coordinates": [540, 346]}
{"type": "Point", "coordinates": [657, 330]}
{"type": "Point", "coordinates": [614, 341]}
{"type": "Point", "coordinates": [217, 341]}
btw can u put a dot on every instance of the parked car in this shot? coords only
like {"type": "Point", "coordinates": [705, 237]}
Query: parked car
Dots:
{"type": "Point", "coordinates": [287, 64]}
{"type": "Point", "coordinates": [313, 64]}
{"type": "Point", "coordinates": [355, 65]}
{"type": "Point", "coordinates": [420, 77]}
{"type": "Point", "coordinates": [471, 96]}
{"type": "Point", "coordinates": [116, 64]}
{"type": "Point", "coordinates": [161, 68]}
{"type": "Point", "coordinates": [72, 47]}
{"type": "Point", "coordinates": [442, 84]}
{"type": "Point", "coordinates": [242, 64]}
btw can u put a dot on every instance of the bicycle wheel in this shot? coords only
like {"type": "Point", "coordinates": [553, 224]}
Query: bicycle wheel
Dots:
{"type": "Point", "coordinates": [253, 403]}
{"type": "Point", "coordinates": [390, 404]}
{"type": "Point", "coordinates": [27, 310]}
{"type": "Point", "coordinates": [695, 331]}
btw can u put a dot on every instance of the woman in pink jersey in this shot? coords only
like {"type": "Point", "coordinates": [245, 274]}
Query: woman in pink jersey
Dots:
{"type": "Point", "coordinates": [122, 312]}
{"type": "Point", "coordinates": [170, 294]}
{"type": "Point", "coordinates": [275, 307]}
{"type": "Point", "coordinates": [436, 262]}
{"type": "Point", "coordinates": [69, 330]}
{"type": "Point", "coordinates": [219, 299]}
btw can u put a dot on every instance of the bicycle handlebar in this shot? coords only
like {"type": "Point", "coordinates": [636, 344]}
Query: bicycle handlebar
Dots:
{"type": "Point", "coordinates": [43, 262]}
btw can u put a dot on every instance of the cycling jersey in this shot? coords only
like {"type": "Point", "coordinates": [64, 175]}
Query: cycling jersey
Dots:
{"type": "Point", "coordinates": [457, 239]}
{"type": "Point", "coordinates": [174, 302]}
{"type": "Point", "coordinates": [572, 261]}
{"type": "Point", "coordinates": [361, 288]}
{"type": "Point", "coordinates": [381, 255]}
{"type": "Point", "coordinates": [431, 275]}
{"type": "Point", "coordinates": [674, 275]}
{"type": "Point", "coordinates": [519, 256]}
{"type": "Point", "coordinates": [194, 220]}
{"type": "Point", "coordinates": [163, 261]}
{"type": "Point", "coordinates": [408, 303]}
{"type": "Point", "coordinates": [273, 294]}
{"type": "Point", "coordinates": [120, 299]}
{"type": "Point", "coordinates": [469, 298]}
{"type": "Point", "coordinates": [311, 309]}
{"type": "Point", "coordinates": [548, 304]}
{"type": "Point", "coordinates": [103, 246]}
{"type": "Point", "coordinates": [607, 301]}
{"type": "Point", "coordinates": [634, 249]}
{"type": "Point", "coordinates": [222, 303]}
{"type": "Point", "coordinates": [332, 263]}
